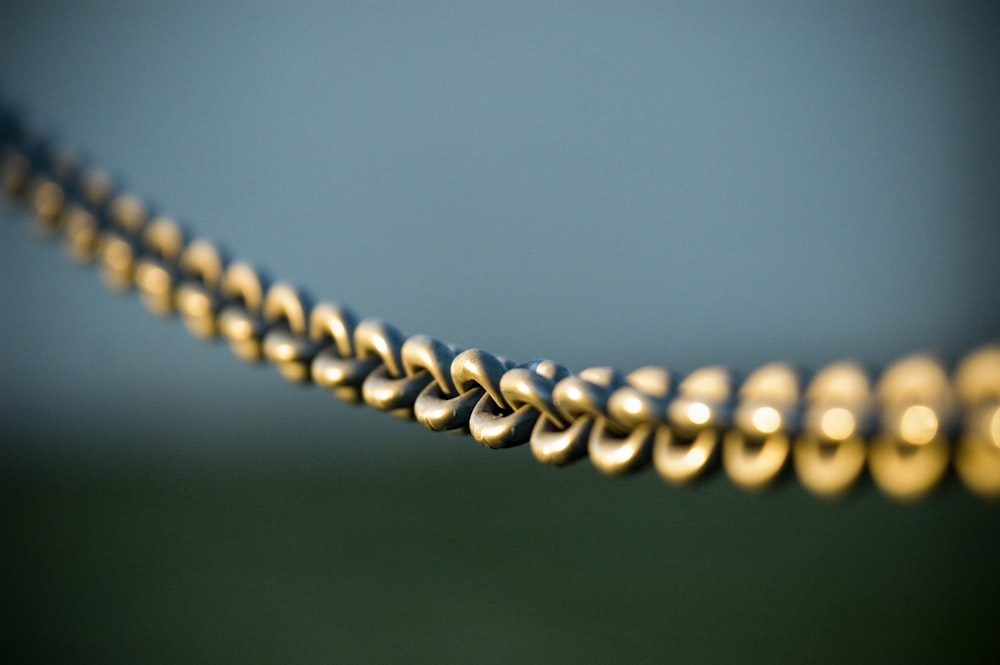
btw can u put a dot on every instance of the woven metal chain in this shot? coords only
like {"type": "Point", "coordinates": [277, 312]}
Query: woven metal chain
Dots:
{"type": "Point", "coordinates": [906, 428]}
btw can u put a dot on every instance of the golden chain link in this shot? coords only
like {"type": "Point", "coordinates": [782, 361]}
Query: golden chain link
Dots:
{"type": "Point", "coordinates": [907, 425]}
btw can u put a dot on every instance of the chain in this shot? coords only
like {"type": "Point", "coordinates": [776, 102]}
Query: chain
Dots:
{"type": "Point", "coordinates": [908, 425]}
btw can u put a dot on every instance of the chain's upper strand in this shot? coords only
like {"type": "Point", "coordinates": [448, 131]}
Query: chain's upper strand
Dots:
{"type": "Point", "coordinates": [908, 425]}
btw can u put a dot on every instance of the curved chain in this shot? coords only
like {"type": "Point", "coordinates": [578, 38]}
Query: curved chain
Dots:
{"type": "Point", "coordinates": [907, 425]}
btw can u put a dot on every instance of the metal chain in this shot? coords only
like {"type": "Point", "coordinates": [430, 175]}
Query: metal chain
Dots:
{"type": "Point", "coordinates": [907, 425]}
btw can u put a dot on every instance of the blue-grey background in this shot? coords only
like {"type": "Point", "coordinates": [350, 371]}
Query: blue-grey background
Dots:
{"type": "Point", "coordinates": [598, 183]}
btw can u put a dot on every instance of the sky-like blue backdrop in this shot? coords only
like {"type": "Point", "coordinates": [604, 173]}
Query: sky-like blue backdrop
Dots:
{"type": "Point", "coordinates": [597, 183]}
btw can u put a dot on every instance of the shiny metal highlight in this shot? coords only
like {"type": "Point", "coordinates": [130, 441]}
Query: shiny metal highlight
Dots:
{"type": "Point", "coordinates": [335, 366]}
{"type": "Point", "coordinates": [387, 387]}
{"type": "Point", "coordinates": [156, 270]}
{"type": "Point", "coordinates": [685, 449]}
{"type": "Point", "coordinates": [829, 455]}
{"type": "Point", "coordinates": [196, 297]}
{"type": "Point", "coordinates": [754, 451]}
{"type": "Point", "coordinates": [910, 456]}
{"type": "Point", "coordinates": [239, 309]}
{"type": "Point", "coordinates": [286, 342]}
{"type": "Point", "coordinates": [621, 441]}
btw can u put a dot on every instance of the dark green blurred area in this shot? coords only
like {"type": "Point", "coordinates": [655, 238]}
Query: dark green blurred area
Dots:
{"type": "Point", "coordinates": [480, 556]}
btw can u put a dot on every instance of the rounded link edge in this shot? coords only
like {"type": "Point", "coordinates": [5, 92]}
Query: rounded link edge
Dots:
{"type": "Point", "coordinates": [196, 296]}
{"type": "Point", "coordinates": [475, 368]}
{"type": "Point", "coordinates": [442, 413]}
{"type": "Point", "coordinates": [642, 400]}
{"type": "Point", "coordinates": [395, 395]}
{"type": "Point", "coordinates": [687, 447]}
{"type": "Point", "coordinates": [615, 454]}
{"type": "Point", "coordinates": [527, 397]}
{"type": "Point", "coordinates": [559, 446]}
{"type": "Point", "coordinates": [439, 406]}
{"type": "Point", "coordinates": [334, 367]}
{"type": "Point", "coordinates": [492, 421]}
{"type": "Point", "coordinates": [240, 310]}
{"type": "Point", "coordinates": [156, 271]}
{"type": "Point", "coordinates": [579, 400]}
{"type": "Point", "coordinates": [386, 387]}
{"type": "Point", "coordinates": [910, 456]}
{"type": "Point", "coordinates": [532, 385]}
{"type": "Point", "coordinates": [586, 393]}
{"type": "Point", "coordinates": [421, 353]}
{"type": "Point", "coordinates": [286, 342]}
{"type": "Point", "coordinates": [621, 441]}
{"type": "Point", "coordinates": [829, 454]}
{"type": "Point", "coordinates": [374, 338]}
{"type": "Point", "coordinates": [755, 450]}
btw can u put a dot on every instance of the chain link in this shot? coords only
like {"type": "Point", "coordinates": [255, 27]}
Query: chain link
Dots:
{"type": "Point", "coordinates": [907, 425]}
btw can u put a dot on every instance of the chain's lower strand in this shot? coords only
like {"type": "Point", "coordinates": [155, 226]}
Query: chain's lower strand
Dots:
{"type": "Point", "coordinates": [905, 428]}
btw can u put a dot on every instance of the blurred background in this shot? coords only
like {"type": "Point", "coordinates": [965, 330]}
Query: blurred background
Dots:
{"type": "Point", "coordinates": [598, 183]}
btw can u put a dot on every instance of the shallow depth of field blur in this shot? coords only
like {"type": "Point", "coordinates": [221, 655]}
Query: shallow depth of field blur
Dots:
{"type": "Point", "coordinates": [600, 184]}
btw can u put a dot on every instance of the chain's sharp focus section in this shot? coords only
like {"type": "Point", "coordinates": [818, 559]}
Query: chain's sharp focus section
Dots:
{"type": "Point", "coordinates": [336, 366]}
{"type": "Point", "coordinates": [906, 426]}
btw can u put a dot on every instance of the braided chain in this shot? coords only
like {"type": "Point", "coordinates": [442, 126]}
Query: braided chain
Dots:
{"type": "Point", "coordinates": [907, 425]}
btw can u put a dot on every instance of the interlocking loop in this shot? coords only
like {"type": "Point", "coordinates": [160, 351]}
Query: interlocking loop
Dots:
{"type": "Point", "coordinates": [477, 373]}
{"type": "Point", "coordinates": [642, 400]}
{"type": "Point", "coordinates": [286, 342]}
{"type": "Point", "coordinates": [578, 400]}
{"type": "Point", "coordinates": [755, 450]}
{"type": "Point", "coordinates": [532, 385]}
{"type": "Point", "coordinates": [501, 423]}
{"type": "Point", "coordinates": [197, 295]}
{"type": "Point", "coordinates": [240, 318]}
{"type": "Point", "coordinates": [685, 449]}
{"type": "Point", "coordinates": [446, 406]}
{"type": "Point", "coordinates": [156, 271]}
{"type": "Point", "coordinates": [620, 442]}
{"type": "Point", "coordinates": [387, 387]}
{"type": "Point", "coordinates": [335, 366]}
{"type": "Point", "coordinates": [439, 406]}
{"type": "Point", "coordinates": [977, 458]}
{"type": "Point", "coordinates": [426, 354]}
{"type": "Point", "coordinates": [474, 369]}
{"type": "Point", "coordinates": [117, 250]}
{"type": "Point", "coordinates": [910, 456]}
{"type": "Point", "coordinates": [829, 454]}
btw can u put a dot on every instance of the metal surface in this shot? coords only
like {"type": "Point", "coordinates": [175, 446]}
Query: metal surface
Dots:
{"type": "Point", "coordinates": [907, 425]}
